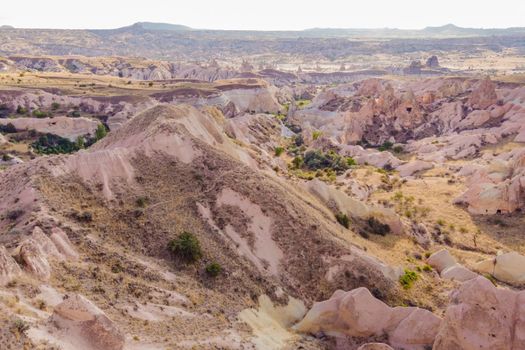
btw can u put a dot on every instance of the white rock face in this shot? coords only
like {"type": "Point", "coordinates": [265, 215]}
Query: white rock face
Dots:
{"type": "Point", "coordinates": [80, 319]}
{"type": "Point", "coordinates": [448, 268]}
{"type": "Point", "coordinates": [483, 317]}
{"type": "Point", "coordinates": [508, 267]}
{"type": "Point", "coordinates": [358, 313]}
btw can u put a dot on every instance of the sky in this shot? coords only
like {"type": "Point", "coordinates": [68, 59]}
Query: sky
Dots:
{"type": "Point", "coordinates": [263, 14]}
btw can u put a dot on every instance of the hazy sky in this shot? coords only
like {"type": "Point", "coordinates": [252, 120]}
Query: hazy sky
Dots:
{"type": "Point", "coordinates": [263, 14]}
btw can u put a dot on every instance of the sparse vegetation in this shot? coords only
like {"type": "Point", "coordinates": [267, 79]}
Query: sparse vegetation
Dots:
{"type": "Point", "coordinates": [343, 220]}
{"type": "Point", "coordinates": [213, 269]}
{"type": "Point", "coordinates": [187, 247]}
{"type": "Point", "coordinates": [408, 279]}
{"type": "Point", "coordinates": [377, 227]}
{"type": "Point", "coordinates": [278, 151]}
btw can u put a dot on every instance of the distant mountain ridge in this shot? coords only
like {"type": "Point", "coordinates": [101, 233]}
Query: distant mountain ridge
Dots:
{"type": "Point", "coordinates": [445, 31]}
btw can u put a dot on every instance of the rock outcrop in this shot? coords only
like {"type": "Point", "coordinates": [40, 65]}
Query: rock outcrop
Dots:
{"type": "Point", "coordinates": [86, 324]}
{"type": "Point", "coordinates": [497, 188]}
{"type": "Point", "coordinates": [484, 95]}
{"type": "Point", "coordinates": [9, 269]}
{"type": "Point", "coordinates": [448, 268]}
{"type": "Point", "coordinates": [37, 251]}
{"type": "Point", "coordinates": [358, 314]}
{"type": "Point", "coordinates": [508, 267]}
{"type": "Point", "coordinates": [483, 317]}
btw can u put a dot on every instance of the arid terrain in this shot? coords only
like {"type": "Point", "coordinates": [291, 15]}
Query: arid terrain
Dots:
{"type": "Point", "coordinates": [169, 188]}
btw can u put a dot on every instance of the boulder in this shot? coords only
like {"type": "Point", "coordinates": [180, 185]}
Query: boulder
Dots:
{"type": "Point", "coordinates": [508, 267]}
{"type": "Point", "coordinates": [458, 273]}
{"type": "Point", "coordinates": [358, 313]}
{"type": "Point", "coordinates": [448, 268]}
{"type": "Point", "coordinates": [89, 326]}
{"type": "Point", "coordinates": [482, 316]}
{"type": "Point", "coordinates": [441, 260]}
{"type": "Point", "coordinates": [410, 168]}
{"type": "Point", "coordinates": [9, 269]}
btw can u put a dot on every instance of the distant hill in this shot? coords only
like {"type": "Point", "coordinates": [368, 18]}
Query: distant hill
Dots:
{"type": "Point", "coordinates": [446, 31]}
{"type": "Point", "coordinates": [156, 26]}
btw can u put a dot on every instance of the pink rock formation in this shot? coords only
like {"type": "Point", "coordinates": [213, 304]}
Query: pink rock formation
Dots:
{"type": "Point", "coordinates": [87, 325]}
{"type": "Point", "coordinates": [483, 317]}
{"type": "Point", "coordinates": [448, 268]}
{"type": "Point", "coordinates": [497, 188]}
{"type": "Point", "coordinates": [357, 313]}
{"type": "Point", "coordinates": [9, 269]}
{"type": "Point", "coordinates": [484, 95]}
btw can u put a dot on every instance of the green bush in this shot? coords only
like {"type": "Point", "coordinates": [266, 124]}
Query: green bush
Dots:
{"type": "Point", "coordinates": [186, 247]}
{"type": "Point", "coordinates": [101, 132]}
{"type": "Point", "coordinates": [298, 162]}
{"type": "Point", "coordinates": [386, 146]}
{"type": "Point", "coordinates": [141, 202]}
{"type": "Point", "coordinates": [54, 144]}
{"type": "Point", "coordinates": [55, 106]}
{"type": "Point", "coordinates": [316, 159]}
{"type": "Point", "coordinates": [408, 278]}
{"type": "Point", "coordinates": [39, 114]}
{"type": "Point", "coordinates": [316, 134]}
{"type": "Point", "coordinates": [343, 219]}
{"type": "Point", "coordinates": [427, 268]}
{"type": "Point", "coordinates": [350, 161]}
{"type": "Point", "coordinates": [20, 325]}
{"type": "Point", "coordinates": [377, 226]}
{"type": "Point", "coordinates": [213, 269]}
{"type": "Point", "coordinates": [398, 149]}
{"type": "Point", "coordinates": [21, 110]}
{"type": "Point", "coordinates": [9, 128]}
{"type": "Point", "coordinates": [278, 151]}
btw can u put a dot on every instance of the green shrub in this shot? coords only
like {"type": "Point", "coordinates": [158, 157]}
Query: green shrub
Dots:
{"type": "Point", "coordinates": [408, 278]}
{"type": "Point", "coordinates": [55, 106]}
{"type": "Point", "coordinates": [54, 144]}
{"type": "Point", "coordinates": [14, 214]}
{"type": "Point", "coordinates": [20, 325]}
{"type": "Point", "coordinates": [386, 146]}
{"type": "Point", "coordinates": [141, 202]}
{"type": "Point", "coordinates": [343, 219]}
{"type": "Point", "coordinates": [350, 161]}
{"type": "Point", "coordinates": [101, 132]}
{"type": "Point", "coordinates": [427, 268]}
{"type": "Point", "coordinates": [316, 159]}
{"type": "Point", "coordinates": [213, 269]}
{"type": "Point", "coordinates": [21, 110]}
{"type": "Point", "coordinates": [377, 226]}
{"type": "Point", "coordinates": [298, 162]}
{"type": "Point", "coordinates": [186, 247]}
{"type": "Point", "coordinates": [39, 114]}
{"type": "Point", "coordinates": [316, 134]}
{"type": "Point", "coordinates": [278, 151]}
{"type": "Point", "coordinates": [9, 128]}
{"type": "Point", "coordinates": [398, 149]}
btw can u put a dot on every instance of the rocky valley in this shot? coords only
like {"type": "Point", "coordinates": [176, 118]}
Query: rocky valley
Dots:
{"type": "Point", "coordinates": [169, 188]}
